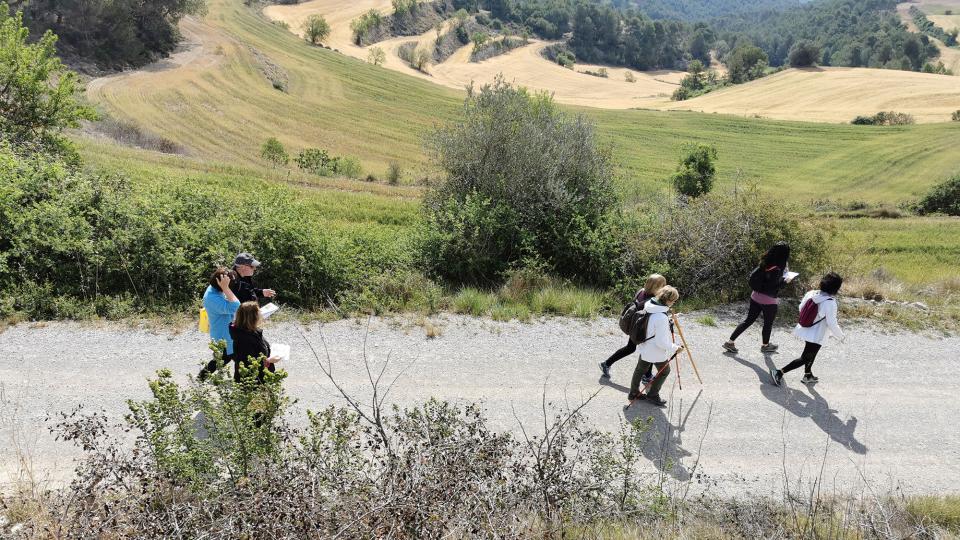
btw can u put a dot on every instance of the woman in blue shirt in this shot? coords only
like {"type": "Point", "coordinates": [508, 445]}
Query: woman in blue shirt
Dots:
{"type": "Point", "coordinates": [221, 304]}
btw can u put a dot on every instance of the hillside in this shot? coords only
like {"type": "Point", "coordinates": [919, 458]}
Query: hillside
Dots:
{"type": "Point", "coordinates": [832, 94]}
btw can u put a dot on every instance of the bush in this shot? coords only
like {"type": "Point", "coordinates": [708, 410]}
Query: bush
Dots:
{"type": "Point", "coordinates": [707, 246]}
{"type": "Point", "coordinates": [377, 56]}
{"type": "Point", "coordinates": [78, 241]}
{"type": "Point", "coordinates": [524, 181]}
{"type": "Point", "coordinates": [274, 152]}
{"type": "Point", "coordinates": [955, 116]}
{"type": "Point", "coordinates": [804, 54]}
{"type": "Point", "coordinates": [944, 198]}
{"type": "Point", "coordinates": [317, 161]}
{"type": "Point", "coordinates": [394, 173]}
{"type": "Point", "coordinates": [695, 172]}
{"type": "Point", "coordinates": [884, 118]}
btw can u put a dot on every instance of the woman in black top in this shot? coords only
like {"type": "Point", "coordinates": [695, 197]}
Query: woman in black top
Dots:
{"type": "Point", "coordinates": [765, 281]}
{"type": "Point", "coordinates": [248, 342]}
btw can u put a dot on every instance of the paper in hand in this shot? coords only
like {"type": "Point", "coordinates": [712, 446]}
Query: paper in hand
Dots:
{"type": "Point", "coordinates": [790, 275]}
{"type": "Point", "coordinates": [268, 310]}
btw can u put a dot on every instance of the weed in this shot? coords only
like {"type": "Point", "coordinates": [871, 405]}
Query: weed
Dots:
{"type": "Point", "coordinates": [707, 320]}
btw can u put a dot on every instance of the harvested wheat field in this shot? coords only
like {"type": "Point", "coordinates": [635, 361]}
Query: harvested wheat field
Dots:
{"type": "Point", "coordinates": [835, 95]}
{"type": "Point", "coordinates": [524, 65]}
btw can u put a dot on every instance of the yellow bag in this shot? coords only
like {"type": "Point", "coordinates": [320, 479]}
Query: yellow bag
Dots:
{"type": "Point", "coordinates": [204, 324]}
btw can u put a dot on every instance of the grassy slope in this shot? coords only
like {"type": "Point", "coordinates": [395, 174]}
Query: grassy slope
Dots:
{"type": "Point", "coordinates": [224, 113]}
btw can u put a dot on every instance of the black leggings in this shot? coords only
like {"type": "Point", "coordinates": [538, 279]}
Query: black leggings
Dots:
{"type": "Point", "coordinates": [806, 359]}
{"type": "Point", "coordinates": [769, 314]}
{"type": "Point", "coordinates": [624, 352]}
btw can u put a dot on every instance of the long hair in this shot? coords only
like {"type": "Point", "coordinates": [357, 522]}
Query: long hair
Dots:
{"type": "Point", "coordinates": [654, 283]}
{"type": "Point", "coordinates": [248, 317]}
{"type": "Point", "coordinates": [776, 255]}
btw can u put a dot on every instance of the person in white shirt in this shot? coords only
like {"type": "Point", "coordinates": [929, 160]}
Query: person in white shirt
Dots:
{"type": "Point", "coordinates": [816, 333]}
{"type": "Point", "coordinates": [658, 348]}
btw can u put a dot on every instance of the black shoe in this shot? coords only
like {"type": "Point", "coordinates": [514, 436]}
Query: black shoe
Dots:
{"type": "Point", "coordinates": [645, 380]}
{"type": "Point", "coordinates": [657, 400]}
{"type": "Point", "coordinates": [769, 348]}
{"type": "Point", "coordinates": [604, 370]}
{"type": "Point", "coordinates": [777, 376]}
{"type": "Point", "coordinates": [634, 396]}
{"type": "Point", "coordinates": [809, 378]}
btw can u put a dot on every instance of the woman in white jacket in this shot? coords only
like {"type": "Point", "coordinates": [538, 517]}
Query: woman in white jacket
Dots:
{"type": "Point", "coordinates": [816, 334]}
{"type": "Point", "coordinates": [658, 347]}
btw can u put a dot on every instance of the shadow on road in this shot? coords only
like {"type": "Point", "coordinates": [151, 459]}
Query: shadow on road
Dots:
{"type": "Point", "coordinates": [801, 405]}
{"type": "Point", "coordinates": [663, 442]}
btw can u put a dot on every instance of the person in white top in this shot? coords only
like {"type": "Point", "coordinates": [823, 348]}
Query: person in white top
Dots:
{"type": "Point", "coordinates": [658, 347]}
{"type": "Point", "coordinates": [814, 332]}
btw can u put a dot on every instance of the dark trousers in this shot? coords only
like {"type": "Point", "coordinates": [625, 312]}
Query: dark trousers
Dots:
{"type": "Point", "coordinates": [806, 359]}
{"type": "Point", "coordinates": [769, 314]}
{"type": "Point", "coordinates": [213, 365]}
{"type": "Point", "coordinates": [621, 353]}
{"type": "Point", "coordinates": [663, 369]}
{"type": "Point", "coordinates": [624, 352]}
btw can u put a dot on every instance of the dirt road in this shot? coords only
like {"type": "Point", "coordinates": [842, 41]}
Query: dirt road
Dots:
{"type": "Point", "coordinates": [885, 409]}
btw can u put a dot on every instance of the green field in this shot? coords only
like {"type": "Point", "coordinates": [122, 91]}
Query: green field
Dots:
{"type": "Point", "coordinates": [224, 112]}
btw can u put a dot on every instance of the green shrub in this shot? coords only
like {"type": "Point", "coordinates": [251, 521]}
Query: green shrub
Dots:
{"type": "Point", "coordinates": [884, 118]}
{"type": "Point", "coordinates": [955, 116]}
{"type": "Point", "coordinates": [394, 173]}
{"type": "Point", "coordinates": [80, 239]}
{"type": "Point", "coordinates": [804, 54]}
{"type": "Point", "coordinates": [944, 198]}
{"type": "Point", "coordinates": [317, 161]}
{"type": "Point", "coordinates": [707, 246]}
{"type": "Point", "coordinates": [695, 172]}
{"type": "Point", "coordinates": [524, 181]}
{"type": "Point", "coordinates": [274, 152]}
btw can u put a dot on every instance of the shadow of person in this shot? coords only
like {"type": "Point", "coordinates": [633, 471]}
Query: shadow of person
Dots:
{"type": "Point", "coordinates": [662, 444]}
{"type": "Point", "coordinates": [607, 382]}
{"type": "Point", "coordinates": [801, 405]}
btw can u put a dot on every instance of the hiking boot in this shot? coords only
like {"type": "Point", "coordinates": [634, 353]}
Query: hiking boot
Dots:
{"type": "Point", "coordinates": [777, 376]}
{"type": "Point", "coordinates": [657, 401]}
{"type": "Point", "coordinates": [809, 378]}
{"type": "Point", "coordinates": [645, 380]}
{"type": "Point", "coordinates": [730, 347]}
{"type": "Point", "coordinates": [769, 348]}
{"type": "Point", "coordinates": [604, 370]}
{"type": "Point", "coordinates": [634, 396]}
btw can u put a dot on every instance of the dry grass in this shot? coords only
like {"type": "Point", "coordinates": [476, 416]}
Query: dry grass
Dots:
{"type": "Point", "coordinates": [835, 94]}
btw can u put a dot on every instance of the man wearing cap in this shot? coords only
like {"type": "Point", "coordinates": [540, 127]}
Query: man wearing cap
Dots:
{"type": "Point", "coordinates": [244, 265]}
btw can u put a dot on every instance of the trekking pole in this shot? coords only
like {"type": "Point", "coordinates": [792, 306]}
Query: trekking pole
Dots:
{"type": "Point", "coordinates": [684, 341]}
{"type": "Point", "coordinates": [673, 338]}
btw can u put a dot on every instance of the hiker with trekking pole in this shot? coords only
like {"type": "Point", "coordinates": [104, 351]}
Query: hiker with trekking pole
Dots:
{"type": "Point", "coordinates": [818, 314]}
{"type": "Point", "coordinates": [649, 291]}
{"type": "Point", "coordinates": [654, 336]}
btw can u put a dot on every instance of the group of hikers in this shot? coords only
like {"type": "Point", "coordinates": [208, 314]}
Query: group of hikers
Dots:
{"type": "Point", "coordinates": [232, 306]}
{"type": "Point", "coordinates": [650, 329]}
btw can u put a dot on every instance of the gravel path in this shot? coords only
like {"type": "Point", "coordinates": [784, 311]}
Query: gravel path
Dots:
{"type": "Point", "coordinates": [884, 413]}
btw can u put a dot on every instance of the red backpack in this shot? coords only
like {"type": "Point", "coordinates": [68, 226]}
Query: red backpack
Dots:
{"type": "Point", "coordinates": [808, 313]}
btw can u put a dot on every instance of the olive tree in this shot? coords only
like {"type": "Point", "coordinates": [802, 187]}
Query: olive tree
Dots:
{"type": "Point", "coordinates": [524, 181]}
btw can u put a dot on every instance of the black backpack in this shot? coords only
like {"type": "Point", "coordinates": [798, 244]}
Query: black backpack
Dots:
{"type": "Point", "coordinates": [633, 322]}
{"type": "Point", "coordinates": [757, 279]}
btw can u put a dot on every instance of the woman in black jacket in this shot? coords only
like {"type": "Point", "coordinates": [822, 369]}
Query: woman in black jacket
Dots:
{"type": "Point", "coordinates": [766, 280]}
{"type": "Point", "coordinates": [248, 342]}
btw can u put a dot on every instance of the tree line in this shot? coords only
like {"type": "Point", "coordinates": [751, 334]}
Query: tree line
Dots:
{"type": "Point", "coordinates": [113, 34]}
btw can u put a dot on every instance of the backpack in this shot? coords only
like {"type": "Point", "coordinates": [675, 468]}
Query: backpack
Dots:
{"type": "Point", "coordinates": [808, 313]}
{"type": "Point", "coordinates": [758, 278]}
{"type": "Point", "coordinates": [633, 322]}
